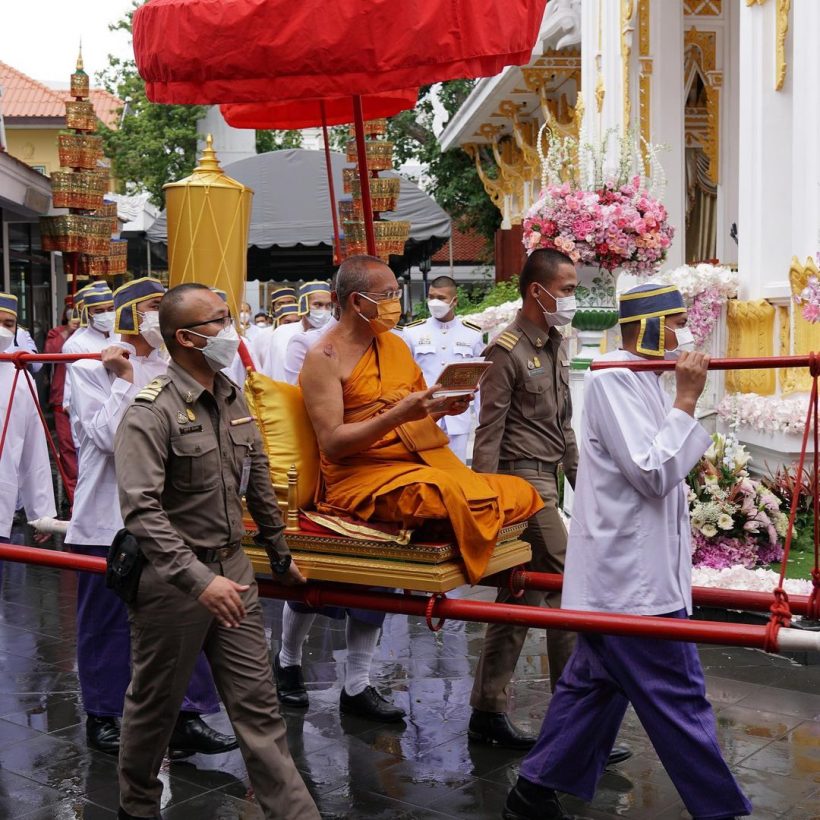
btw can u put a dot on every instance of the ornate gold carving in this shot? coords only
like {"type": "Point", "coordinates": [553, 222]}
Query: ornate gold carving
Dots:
{"type": "Point", "coordinates": [782, 29]}
{"type": "Point", "coordinates": [786, 375]}
{"type": "Point", "coordinates": [703, 8]}
{"type": "Point", "coordinates": [643, 28]}
{"type": "Point", "coordinates": [627, 30]}
{"type": "Point", "coordinates": [699, 49]}
{"type": "Point", "coordinates": [492, 187]}
{"type": "Point", "coordinates": [553, 65]}
{"type": "Point", "coordinates": [753, 2]}
{"type": "Point", "coordinates": [712, 147]}
{"type": "Point", "coordinates": [644, 98]}
{"type": "Point", "coordinates": [751, 333]}
{"type": "Point", "coordinates": [806, 336]}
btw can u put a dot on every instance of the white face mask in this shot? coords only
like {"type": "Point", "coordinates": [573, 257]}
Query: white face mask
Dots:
{"type": "Point", "coordinates": [565, 307]}
{"type": "Point", "coordinates": [318, 317]}
{"type": "Point", "coordinates": [219, 350]}
{"type": "Point", "coordinates": [244, 317]}
{"type": "Point", "coordinates": [6, 339]}
{"type": "Point", "coordinates": [685, 340]}
{"type": "Point", "coordinates": [149, 328]}
{"type": "Point", "coordinates": [439, 308]}
{"type": "Point", "coordinates": [261, 323]}
{"type": "Point", "coordinates": [104, 322]}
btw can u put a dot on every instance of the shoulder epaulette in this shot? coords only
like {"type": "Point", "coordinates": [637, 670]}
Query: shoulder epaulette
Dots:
{"type": "Point", "coordinates": [414, 324]}
{"type": "Point", "coordinates": [151, 390]}
{"type": "Point", "coordinates": [471, 325]}
{"type": "Point", "coordinates": [508, 339]}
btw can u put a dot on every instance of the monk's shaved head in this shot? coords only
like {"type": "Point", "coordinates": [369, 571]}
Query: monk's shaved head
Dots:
{"type": "Point", "coordinates": [186, 305]}
{"type": "Point", "coordinates": [360, 273]}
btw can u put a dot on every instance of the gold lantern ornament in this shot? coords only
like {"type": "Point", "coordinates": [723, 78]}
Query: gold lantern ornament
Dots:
{"type": "Point", "coordinates": [208, 219]}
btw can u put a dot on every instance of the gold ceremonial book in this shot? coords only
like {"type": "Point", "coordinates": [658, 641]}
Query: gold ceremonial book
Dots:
{"type": "Point", "coordinates": [461, 378]}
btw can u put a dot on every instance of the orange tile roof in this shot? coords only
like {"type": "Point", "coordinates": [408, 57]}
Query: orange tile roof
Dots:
{"type": "Point", "coordinates": [25, 97]}
{"type": "Point", "coordinates": [468, 246]}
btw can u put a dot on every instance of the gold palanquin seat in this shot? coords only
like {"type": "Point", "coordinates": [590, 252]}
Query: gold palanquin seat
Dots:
{"type": "Point", "coordinates": [424, 567]}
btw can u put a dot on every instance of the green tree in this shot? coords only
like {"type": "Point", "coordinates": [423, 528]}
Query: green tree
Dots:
{"type": "Point", "coordinates": [154, 143]}
{"type": "Point", "coordinates": [277, 140]}
{"type": "Point", "coordinates": [454, 182]}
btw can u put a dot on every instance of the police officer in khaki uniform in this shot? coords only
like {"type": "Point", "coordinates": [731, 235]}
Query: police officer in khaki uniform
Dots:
{"type": "Point", "coordinates": [525, 429]}
{"type": "Point", "coordinates": [186, 451]}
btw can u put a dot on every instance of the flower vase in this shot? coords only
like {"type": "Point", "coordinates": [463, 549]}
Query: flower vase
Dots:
{"type": "Point", "coordinates": [596, 313]}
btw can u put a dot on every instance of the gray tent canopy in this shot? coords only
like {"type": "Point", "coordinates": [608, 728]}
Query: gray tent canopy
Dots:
{"type": "Point", "coordinates": [291, 203]}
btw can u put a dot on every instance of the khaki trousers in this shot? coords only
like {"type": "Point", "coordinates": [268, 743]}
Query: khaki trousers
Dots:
{"type": "Point", "coordinates": [502, 642]}
{"type": "Point", "coordinates": [168, 630]}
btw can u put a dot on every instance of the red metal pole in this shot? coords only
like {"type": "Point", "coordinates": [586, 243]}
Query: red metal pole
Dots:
{"type": "Point", "coordinates": [48, 357]}
{"type": "Point", "coordinates": [364, 174]}
{"type": "Point", "coordinates": [337, 248]}
{"type": "Point", "coordinates": [701, 596]}
{"type": "Point", "coordinates": [714, 364]}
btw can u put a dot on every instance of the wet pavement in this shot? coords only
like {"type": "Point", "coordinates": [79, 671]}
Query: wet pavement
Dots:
{"type": "Point", "coordinates": [768, 710]}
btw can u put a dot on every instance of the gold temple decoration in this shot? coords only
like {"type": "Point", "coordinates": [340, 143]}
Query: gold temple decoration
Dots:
{"type": "Point", "coordinates": [627, 30]}
{"type": "Point", "coordinates": [782, 29]}
{"type": "Point", "coordinates": [644, 78]}
{"type": "Point", "coordinates": [785, 375]}
{"type": "Point", "coordinates": [600, 88]}
{"type": "Point", "coordinates": [703, 8]}
{"type": "Point", "coordinates": [755, 2]}
{"type": "Point", "coordinates": [806, 336]}
{"type": "Point", "coordinates": [208, 219]}
{"type": "Point", "coordinates": [712, 147]}
{"type": "Point", "coordinates": [492, 187]}
{"type": "Point", "coordinates": [750, 328]}
{"type": "Point", "coordinates": [700, 55]}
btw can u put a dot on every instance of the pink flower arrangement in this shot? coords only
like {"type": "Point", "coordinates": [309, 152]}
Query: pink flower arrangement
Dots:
{"type": "Point", "coordinates": [703, 314]}
{"type": "Point", "coordinates": [809, 298]}
{"type": "Point", "coordinates": [613, 227]}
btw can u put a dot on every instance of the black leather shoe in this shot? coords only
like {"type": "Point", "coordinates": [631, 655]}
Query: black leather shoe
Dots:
{"type": "Point", "coordinates": [619, 754]}
{"type": "Point", "coordinates": [290, 685]}
{"type": "Point", "coordinates": [103, 734]}
{"type": "Point", "coordinates": [497, 728]}
{"type": "Point", "coordinates": [529, 801]}
{"type": "Point", "coordinates": [122, 814]}
{"type": "Point", "coordinates": [371, 705]}
{"type": "Point", "coordinates": [193, 736]}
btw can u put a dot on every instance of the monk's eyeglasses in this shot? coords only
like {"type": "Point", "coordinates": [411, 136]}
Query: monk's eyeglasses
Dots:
{"type": "Point", "coordinates": [381, 297]}
{"type": "Point", "coordinates": [225, 321]}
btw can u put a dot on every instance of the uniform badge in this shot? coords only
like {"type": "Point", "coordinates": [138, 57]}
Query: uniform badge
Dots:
{"type": "Point", "coordinates": [189, 396]}
{"type": "Point", "coordinates": [190, 414]}
{"type": "Point", "coordinates": [425, 340]}
{"type": "Point", "coordinates": [530, 364]}
{"type": "Point", "coordinates": [538, 342]}
{"type": "Point", "coordinates": [182, 418]}
{"type": "Point", "coordinates": [536, 361]}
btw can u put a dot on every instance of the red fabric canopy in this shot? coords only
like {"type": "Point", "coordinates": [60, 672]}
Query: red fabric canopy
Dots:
{"type": "Point", "coordinates": [222, 51]}
{"type": "Point", "coordinates": [296, 114]}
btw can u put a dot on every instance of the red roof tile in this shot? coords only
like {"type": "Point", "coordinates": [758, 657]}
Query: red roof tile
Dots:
{"type": "Point", "coordinates": [25, 97]}
{"type": "Point", "coordinates": [468, 246]}
{"type": "Point", "coordinates": [107, 107]}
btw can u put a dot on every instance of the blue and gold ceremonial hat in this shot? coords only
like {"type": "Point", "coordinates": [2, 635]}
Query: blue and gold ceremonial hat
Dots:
{"type": "Point", "coordinates": [283, 293]}
{"type": "Point", "coordinates": [126, 299]}
{"type": "Point", "coordinates": [284, 310]}
{"type": "Point", "coordinates": [308, 288]}
{"type": "Point", "coordinates": [650, 305]}
{"type": "Point", "coordinates": [8, 303]}
{"type": "Point", "coordinates": [92, 289]}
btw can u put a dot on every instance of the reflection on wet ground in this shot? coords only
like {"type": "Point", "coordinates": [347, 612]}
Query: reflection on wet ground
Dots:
{"type": "Point", "coordinates": [768, 710]}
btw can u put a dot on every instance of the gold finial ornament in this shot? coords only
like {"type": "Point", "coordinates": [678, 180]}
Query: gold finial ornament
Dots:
{"type": "Point", "coordinates": [80, 57]}
{"type": "Point", "coordinates": [80, 81]}
{"type": "Point", "coordinates": [208, 219]}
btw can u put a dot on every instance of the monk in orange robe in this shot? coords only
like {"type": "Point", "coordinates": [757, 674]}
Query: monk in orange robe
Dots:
{"type": "Point", "coordinates": [383, 457]}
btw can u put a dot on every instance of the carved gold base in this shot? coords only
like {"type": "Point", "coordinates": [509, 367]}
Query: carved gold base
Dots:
{"type": "Point", "coordinates": [347, 569]}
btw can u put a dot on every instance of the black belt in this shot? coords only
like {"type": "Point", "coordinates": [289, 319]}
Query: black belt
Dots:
{"type": "Point", "coordinates": [513, 464]}
{"type": "Point", "coordinates": [219, 554]}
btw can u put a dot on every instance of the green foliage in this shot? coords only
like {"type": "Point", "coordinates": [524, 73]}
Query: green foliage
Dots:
{"type": "Point", "coordinates": [155, 143]}
{"type": "Point", "coordinates": [277, 140]}
{"type": "Point", "coordinates": [486, 294]}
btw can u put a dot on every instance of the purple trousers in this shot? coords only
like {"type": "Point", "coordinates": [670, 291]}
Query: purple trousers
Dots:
{"type": "Point", "coordinates": [104, 650]}
{"type": "Point", "coordinates": [663, 680]}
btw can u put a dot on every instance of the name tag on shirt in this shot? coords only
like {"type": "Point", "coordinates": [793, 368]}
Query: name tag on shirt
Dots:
{"type": "Point", "coordinates": [192, 428]}
{"type": "Point", "coordinates": [246, 474]}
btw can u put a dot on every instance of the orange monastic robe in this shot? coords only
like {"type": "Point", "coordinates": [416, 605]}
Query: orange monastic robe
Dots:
{"type": "Point", "coordinates": [411, 475]}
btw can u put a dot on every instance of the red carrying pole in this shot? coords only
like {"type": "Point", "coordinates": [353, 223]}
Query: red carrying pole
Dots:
{"type": "Point", "coordinates": [325, 594]}
{"type": "Point", "coordinates": [714, 364]}
{"type": "Point", "coordinates": [364, 174]}
{"type": "Point", "coordinates": [46, 358]}
{"type": "Point", "coordinates": [337, 248]}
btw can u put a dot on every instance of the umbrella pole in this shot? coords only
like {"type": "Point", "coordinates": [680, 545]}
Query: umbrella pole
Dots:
{"type": "Point", "coordinates": [337, 250]}
{"type": "Point", "coordinates": [364, 175]}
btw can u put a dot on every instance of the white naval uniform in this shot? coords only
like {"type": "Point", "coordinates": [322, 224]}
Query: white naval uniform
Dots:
{"type": "Point", "coordinates": [24, 465]}
{"type": "Point", "coordinates": [99, 400]}
{"type": "Point", "coordinates": [435, 344]}
{"type": "Point", "coordinates": [24, 341]}
{"type": "Point", "coordinates": [270, 351]}
{"type": "Point", "coordinates": [629, 547]}
{"type": "Point", "coordinates": [298, 346]}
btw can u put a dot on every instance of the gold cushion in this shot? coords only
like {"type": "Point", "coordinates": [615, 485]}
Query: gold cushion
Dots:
{"type": "Point", "coordinates": [286, 432]}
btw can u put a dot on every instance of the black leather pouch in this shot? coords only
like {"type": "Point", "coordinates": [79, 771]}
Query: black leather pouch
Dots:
{"type": "Point", "coordinates": [124, 566]}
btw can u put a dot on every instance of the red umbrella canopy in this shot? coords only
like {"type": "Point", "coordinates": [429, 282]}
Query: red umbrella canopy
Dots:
{"type": "Point", "coordinates": [296, 114]}
{"type": "Point", "coordinates": [222, 51]}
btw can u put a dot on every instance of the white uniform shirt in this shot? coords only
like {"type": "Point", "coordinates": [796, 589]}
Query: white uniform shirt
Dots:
{"type": "Point", "coordinates": [298, 346]}
{"type": "Point", "coordinates": [271, 350]}
{"type": "Point", "coordinates": [434, 345]}
{"type": "Point", "coordinates": [629, 547]}
{"type": "Point", "coordinates": [24, 341]}
{"type": "Point", "coordinates": [24, 465]}
{"type": "Point", "coordinates": [99, 399]}
{"type": "Point", "coordinates": [259, 344]}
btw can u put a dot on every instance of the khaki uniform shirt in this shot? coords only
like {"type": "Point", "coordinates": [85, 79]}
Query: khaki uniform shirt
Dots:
{"type": "Point", "coordinates": [184, 458]}
{"type": "Point", "coordinates": [526, 409]}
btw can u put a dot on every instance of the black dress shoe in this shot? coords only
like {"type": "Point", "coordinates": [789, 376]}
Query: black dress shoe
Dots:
{"type": "Point", "coordinates": [497, 728]}
{"type": "Point", "coordinates": [529, 801]}
{"type": "Point", "coordinates": [618, 755]}
{"type": "Point", "coordinates": [371, 705]}
{"type": "Point", "coordinates": [122, 814]}
{"type": "Point", "coordinates": [103, 734]}
{"type": "Point", "coordinates": [290, 685]}
{"type": "Point", "coordinates": [193, 736]}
